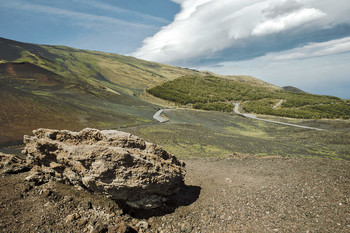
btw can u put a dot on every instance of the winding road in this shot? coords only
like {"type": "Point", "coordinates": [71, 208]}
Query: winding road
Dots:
{"type": "Point", "coordinates": [236, 109]}
{"type": "Point", "coordinates": [162, 119]}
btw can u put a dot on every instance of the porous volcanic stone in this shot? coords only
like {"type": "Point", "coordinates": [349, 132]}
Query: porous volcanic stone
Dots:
{"type": "Point", "coordinates": [112, 163]}
{"type": "Point", "coordinates": [12, 164]}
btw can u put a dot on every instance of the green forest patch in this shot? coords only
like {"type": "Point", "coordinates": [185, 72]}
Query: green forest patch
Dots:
{"type": "Point", "coordinates": [220, 94]}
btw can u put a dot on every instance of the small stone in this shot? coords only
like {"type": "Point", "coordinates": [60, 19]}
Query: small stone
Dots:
{"type": "Point", "coordinates": [86, 205]}
{"type": "Point", "coordinates": [112, 229]}
{"type": "Point", "coordinates": [100, 228]}
{"type": "Point", "coordinates": [72, 217]}
{"type": "Point", "coordinates": [55, 165]}
{"type": "Point", "coordinates": [67, 198]}
{"type": "Point", "coordinates": [123, 228]}
{"type": "Point", "coordinates": [46, 192]}
{"type": "Point", "coordinates": [142, 225]}
{"type": "Point", "coordinates": [27, 188]}
{"type": "Point", "coordinates": [47, 204]}
{"type": "Point", "coordinates": [82, 222]}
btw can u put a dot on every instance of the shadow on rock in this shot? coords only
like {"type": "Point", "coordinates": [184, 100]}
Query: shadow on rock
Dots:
{"type": "Point", "coordinates": [143, 178]}
{"type": "Point", "coordinates": [187, 195]}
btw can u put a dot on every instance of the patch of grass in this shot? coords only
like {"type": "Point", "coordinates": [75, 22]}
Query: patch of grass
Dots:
{"type": "Point", "coordinates": [248, 131]}
{"type": "Point", "coordinates": [193, 133]}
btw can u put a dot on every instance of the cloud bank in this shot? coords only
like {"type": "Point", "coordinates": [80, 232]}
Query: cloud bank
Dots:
{"type": "Point", "coordinates": [313, 50]}
{"type": "Point", "coordinates": [319, 68]}
{"type": "Point", "coordinates": [223, 30]}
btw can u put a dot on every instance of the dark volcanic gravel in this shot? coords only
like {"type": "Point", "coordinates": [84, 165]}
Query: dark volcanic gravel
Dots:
{"type": "Point", "coordinates": [244, 194]}
{"type": "Point", "coordinates": [265, 195]}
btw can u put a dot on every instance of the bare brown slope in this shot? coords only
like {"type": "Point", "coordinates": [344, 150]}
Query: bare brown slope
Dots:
{"type": "Point", "coordinates": [25, 71]}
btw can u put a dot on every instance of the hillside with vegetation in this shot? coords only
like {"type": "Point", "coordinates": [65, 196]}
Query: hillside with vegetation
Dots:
{"type": "Point", "coordinates": [219, 94]}
{"type": "Point", "coordinates": [292, 89]}
{"type": "Point", "coordinates": [250, 168]}
{"type": "Point", "coordinates": [67, 88]}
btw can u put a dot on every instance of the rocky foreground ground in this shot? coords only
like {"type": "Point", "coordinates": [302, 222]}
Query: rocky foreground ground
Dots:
{"type": "Point", "coordinates": [238, 194]}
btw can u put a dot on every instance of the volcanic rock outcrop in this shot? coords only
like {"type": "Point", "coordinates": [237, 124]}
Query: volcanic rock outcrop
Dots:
{"type": "Point", "coordinates": [116, 164]}
{"type": "Point", "coordinates": [12, 164]}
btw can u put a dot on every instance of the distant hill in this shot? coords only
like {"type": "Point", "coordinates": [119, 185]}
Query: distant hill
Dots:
{"type": "Point", "coordinates": [219, 94]}
{"type": "Point", "coordinates": [293, 89]}
{"type": "Point", "coordinates": [125, 74]}
{"type": "Point", "coordinates": [67, 88]}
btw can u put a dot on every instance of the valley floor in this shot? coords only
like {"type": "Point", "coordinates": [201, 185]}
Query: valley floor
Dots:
{"type": "Point", "coordinates": [238, 194]}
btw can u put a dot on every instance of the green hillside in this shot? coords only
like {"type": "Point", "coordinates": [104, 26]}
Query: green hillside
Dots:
{"type": "Point", "coordinates": [66, 88]}
{"type": "Point", "coordinates": [219, 94]}
{"type": "Point", "coordinates": [122, 73]}
{"type": "Point", "coordinates": [293, 89]}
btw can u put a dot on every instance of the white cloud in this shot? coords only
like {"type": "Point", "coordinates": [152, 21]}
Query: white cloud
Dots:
{"type": "Point", "coordinates": [177, 1]}
{"type": "Point", "coordinates": [280, 8]}
{"type": "Point", "coordinates": [313, 50]}
{"type": "Point", "coordinates": [204, 28]}
{"type": "Point", "coordinates": [319, 68]}
{"type": "Point", "coordinates": [83, 19]}
{"type": "Point", "coordinates": [109, 7]}
{"type": "Point", "coordinates": [291, 20]}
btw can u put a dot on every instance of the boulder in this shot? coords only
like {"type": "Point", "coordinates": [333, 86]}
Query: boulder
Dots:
{"type": "Point", "coordinates": [115, 164]}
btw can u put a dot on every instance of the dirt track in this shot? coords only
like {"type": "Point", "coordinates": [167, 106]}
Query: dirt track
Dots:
{"type": "Point", "coordinates": [252, 116]}
{"type": "Point", "coordinates": [242, 194]}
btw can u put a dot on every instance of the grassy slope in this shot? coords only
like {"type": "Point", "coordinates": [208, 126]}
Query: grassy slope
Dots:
{"type": "Point", "coordinates": [84, 89]}
{"type": "Point", "coordinates": [197, 133]}
{"type": "Point", "coordinates": [214, 93]}
{"type": "Point", "coordinates": [125, 74]}
{"type": "Point", "coordinates": [88, 98]}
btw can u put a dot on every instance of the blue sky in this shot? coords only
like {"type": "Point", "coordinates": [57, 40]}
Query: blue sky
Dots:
{"type": "Point", "coordinates": [304, 43]}
{"type": "Point", "coordinates": [117, 26]}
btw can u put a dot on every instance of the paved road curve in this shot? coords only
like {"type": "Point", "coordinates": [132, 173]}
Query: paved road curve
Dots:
{"type": "Point", "coordinates": [236, 109]}
{"type": "Point", "coordinates": [159, 118]}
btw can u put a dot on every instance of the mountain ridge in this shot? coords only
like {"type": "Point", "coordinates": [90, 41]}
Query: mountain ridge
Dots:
{"type": "Point", "coordinates": [150, 73]}
{"type": "Point", "coordinates": [66, 88]}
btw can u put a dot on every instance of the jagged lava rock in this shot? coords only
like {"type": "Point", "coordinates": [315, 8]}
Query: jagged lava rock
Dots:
{"type": "Point", "coordinates": [12, 164]}
{"type": "Point", "coordinates": [112, 163]}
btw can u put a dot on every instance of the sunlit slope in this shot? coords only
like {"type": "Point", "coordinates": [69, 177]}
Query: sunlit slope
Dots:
{"type": "Point", "coordinates": [220, 94]}
{"type": "Point", "coordinates": [67, 88]}
{"type": "Point", "coordinates": [33, 97]}
{"type": "Point", "coordinates": [120, 73]}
